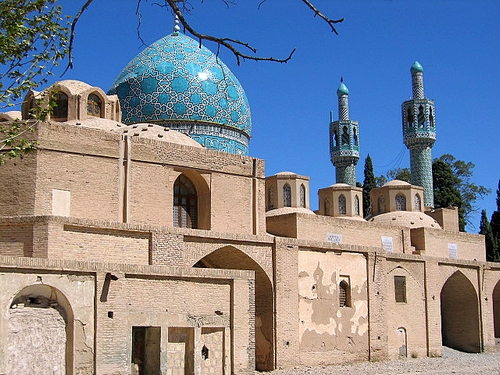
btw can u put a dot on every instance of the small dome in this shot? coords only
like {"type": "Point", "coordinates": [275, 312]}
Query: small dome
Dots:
{"type": "Point", "coordinates": [289, 210]}
{"type": "Point", "coordinates": [408, 219]}
{"type": "Point", "coordinates": [10, 116]}
{"type": "Point", "coordinates": [417, 68]}
{"type": "Point", "coordinates": [342, 90]}
{"type": "Point", "coordinates": [97, 123]}
{"type": "Point", "coordinates": [74, 87]}
{"type": "Point", "coordinates": [396, 183]}
{"type": "Point", "coordinates": [176, 82]}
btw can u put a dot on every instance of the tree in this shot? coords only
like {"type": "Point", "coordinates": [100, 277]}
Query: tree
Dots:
{"type": "Point", "coordinates": [495, 219]}
{"type": "Point", "coordinates": [446, 192]}
{"type": "Point", "coordinates": [402, 174]}
{"type": "Point", "coordinates": [492, 253]}
{"type": "Point", "coordinates": [33, 40]}
{"type": "Point", "coordinates": [469, 191]}
{"type": "Point", "coordinates": [368, 184]}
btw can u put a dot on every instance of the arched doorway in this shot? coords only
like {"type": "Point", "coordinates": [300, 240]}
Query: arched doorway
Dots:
{"type": "Point", "coordinates": [460, 314]}
{"type": "Point", "coordinates": [40, 339]}
{"type": "Point", "coordinates": [496, 309]}
{"type": "Point", "coordinates": [232, 258]}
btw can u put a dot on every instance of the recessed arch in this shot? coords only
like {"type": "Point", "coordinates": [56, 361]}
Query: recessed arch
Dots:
{"type": "Point", "coordinates": [60, 110]}
{"type": "Point", "coordinates": [496, 309]}
{"type": "Point", "coordinates": [95, 105]}
{"type": "Point", "coordinates": [203, 195]}
{"type": "Point", "coordinates": [40, 332]}
{"type": "Point", "coordinates": [460, 314]}
{"type": "Point", "coordinates": [232, 258]}
{"type": "Point", "coordinates": [287, 195]}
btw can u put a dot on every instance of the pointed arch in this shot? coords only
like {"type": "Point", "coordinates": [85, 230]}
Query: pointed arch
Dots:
{"type": "Point", "coordinates": [381, 204]}
{"type": "Point", "coordinates": [230, 257]}
{"type": "Point", "coordinates": [356, 206]}
{"type": "Point", "coordinates": [400, 202]}
{"type": "Point", "coordinates": [287, 195]}
{"type": "Point", "coordinates": [60, 111]}
{"type": "Point", "coordinates": [342, 205]}
{"type": "Point", "coordinates": [94, 105]}
{"type": "Point", "coordinates": [270, 198]}
{"type": "Point", "coordinates": [496, 309]}
{"type": "Point", "coordinates": [185, 203]}
{"type": "Point", "coordinates": [327, 208]}
{"type": "Point", "coordinates": [302, 196]}
{"type": "Point", "coordinates": [460, 314]}
{"type": "Point", "coordinates": [42, 327]}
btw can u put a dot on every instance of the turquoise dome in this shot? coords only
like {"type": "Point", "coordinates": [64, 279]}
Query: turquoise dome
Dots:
{"type": "Point", "coordinates": [179, 84]}
{"type": "Point", "coordinates": [342, 90]}
{"type": "Point", "coordinates": [417, 68]}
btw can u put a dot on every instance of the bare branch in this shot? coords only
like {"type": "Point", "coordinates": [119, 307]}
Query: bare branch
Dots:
{"type": "Point", "coordinates": [321, 15]}
{"type": "Point", "coordinates": [72, 36]}
{"type": "Point", "coordinates": [228, 43]}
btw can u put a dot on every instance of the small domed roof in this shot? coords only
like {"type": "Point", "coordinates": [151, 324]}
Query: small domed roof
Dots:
{"type": "Point", "coordinates": [178, 79]}
{"type": "Point", "coordinates": [97, 123]}
{"type": "Point", "coordinates": [396, 183]}
{"type": "Point", "coordinates": [417, 68]}
{"type": "Point", "coordinates": [73, 86]}
{"type": "Point", "coordinates": [289, 210]}
{"type": "Point", "coordinates": [408, 219]}
{"type": "Point", "coordinates": [342, 90]}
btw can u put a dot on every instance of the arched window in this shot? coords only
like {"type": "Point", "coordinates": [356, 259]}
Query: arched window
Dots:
{"type": "Point", "coordinates": [418, 203]}
{"type": "Point", "coordinates": [345, 136]}
{"type": "Point", "coordinates": [356, 205]}
{"type": "Point", "coordinates": [421, 116]}
{"type": "Point", "coordinates": [355, 137]}
{"type": "Point", "coordinates": [60, 110]}
{"type": "Point", "coordinates": [185, 203]}
{"type": "Point", "coordinates": [287, 196]}
{"type": "Point", "coordinates": [336, 138]}
{"type": "Point", "coordinates": [302, 196]}
{"type": "Point", "coordinates": [400, 202]}
{"type": "Point", "coordinates": [344, 294]}
{"type": "Point", "coordinates": [381, 204]}
{"type": "Point", "coordinates": [327, 207]}
{"type": "Point", "coordinates": [342, 205]}
{"type": "Point", "coordinates": [94, 105]}
{"type": "Point", "coordinates": [409, 115]}
{"type": "Point", "coordinates": [431, 117]}
{"type": "Point", "coordinates": [270, 198]}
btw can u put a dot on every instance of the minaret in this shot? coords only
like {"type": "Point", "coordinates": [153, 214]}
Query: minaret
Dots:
{"type": "Point", "coordinates": [344, 140]}
{"type": "Point", "coordinates": [419, 131]}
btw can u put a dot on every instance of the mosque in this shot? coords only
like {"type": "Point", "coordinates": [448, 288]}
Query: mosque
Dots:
{"type": "Point", "coordinates": [140, 238]}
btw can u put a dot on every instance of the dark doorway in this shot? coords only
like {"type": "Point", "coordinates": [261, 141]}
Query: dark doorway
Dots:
{"type": "Point", "coordinates": [146, 350]}
{"type": "Point", "coordinates": [460, 314]}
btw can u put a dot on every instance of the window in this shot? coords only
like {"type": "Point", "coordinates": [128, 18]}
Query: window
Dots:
{"type": "Point", "coordinates": [185, 204]}
{"type": "Point", "coordinates": [400, 202]}
{"type": "Point", "coordinates": [421, 116]}
{"type": "Point", "coordinates": [302, 196]}
{"type": "Point", "coordinates": [356, 205]}
{"type": "Point", "coordinates": [342, 205]}
{"type": "Point", "coordinates": [355, 137]}
{"type": "Point", "coordinates": [418, 203]}
{"type": "Point", "coordinates": [287, 196]}
{"type": "Point", "coordinates": [60, 111]}
{"type": "Point", "coordinates": [94, 105]}
{"type": "Point", "coordinates": [327, 206]}
{"type": "Point", "coordinates": [344, 294]}
{"type": "Point", "coordinates": [270, 198]}
{"type": "Point", "coordinates": [381, 204]}
{"type": "Point", "coordinates": [431, 117]}
{"type": "Point", "coordinates": [409, 115]}
{"type": "Point", "coordinates": [400, 288]}
{"type": "Point", "coordinates": [345, 136]}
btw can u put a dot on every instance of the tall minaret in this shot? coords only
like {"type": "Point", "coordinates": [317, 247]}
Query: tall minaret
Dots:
{"type": "Point", "coordinates": [344, 140]}
{"type": "Point", "coordinates": [419, 131]}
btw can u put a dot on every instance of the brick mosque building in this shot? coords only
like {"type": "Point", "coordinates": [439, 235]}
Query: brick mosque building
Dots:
{"type": "Point", "coordinates": [140, 238]}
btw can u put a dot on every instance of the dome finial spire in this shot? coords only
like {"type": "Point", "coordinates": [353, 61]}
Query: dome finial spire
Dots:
{"type": "Point", "coordinates": [177, 28]}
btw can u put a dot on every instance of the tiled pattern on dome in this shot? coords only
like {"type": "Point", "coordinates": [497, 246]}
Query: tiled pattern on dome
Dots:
{"type": "Point", "coordinates": [176, 79]}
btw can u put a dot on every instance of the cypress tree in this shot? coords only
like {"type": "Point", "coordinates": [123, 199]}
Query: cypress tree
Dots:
{"type": "Point", "coordinates": [491, 245]}
{"type": "Point", "coordinates": [446, 192]}
{"type": "Point", "coordinates": [368, 184]}
{"type": "Point", "coordinates": [495, 219]}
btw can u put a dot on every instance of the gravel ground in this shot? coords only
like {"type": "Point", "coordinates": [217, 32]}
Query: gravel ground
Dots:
{"type": "Point", "coordinates": [452, 362]}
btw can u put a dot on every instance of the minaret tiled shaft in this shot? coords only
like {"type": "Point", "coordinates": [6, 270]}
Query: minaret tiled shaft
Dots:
{"type": "Point", "coordinates": [419, 131]}
{"type": "Point", "coordinates": [344, 141]}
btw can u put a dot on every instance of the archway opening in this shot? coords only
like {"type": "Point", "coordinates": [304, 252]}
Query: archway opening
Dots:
{"type": "Point", "coordinates": [40, 332]}
{"type": "Point", "coordinates": [460, 314]}
{"type": "Point", "coordinates": [496, 309]}
{"type": "Point", "coordinates": [232, 258]}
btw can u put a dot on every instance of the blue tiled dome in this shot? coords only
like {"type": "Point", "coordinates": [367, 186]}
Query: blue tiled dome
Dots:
{"type": "Point", "coordinates": [177, 83]}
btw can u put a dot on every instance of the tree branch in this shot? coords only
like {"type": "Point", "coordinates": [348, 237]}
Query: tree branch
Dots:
{"type": "Point", "coordinates": [72, 36]}
{"type": "Point", "coordinates": [321, 15]}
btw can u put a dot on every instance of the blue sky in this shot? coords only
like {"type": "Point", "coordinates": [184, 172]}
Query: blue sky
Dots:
{"type": "Point", "coordinates": [456, 41]}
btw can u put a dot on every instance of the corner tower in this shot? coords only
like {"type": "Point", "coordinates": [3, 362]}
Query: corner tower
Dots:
{"type": "Point", "coordinates": [419, 131]}
{"type": "Point", "coordinates": [344, 140]}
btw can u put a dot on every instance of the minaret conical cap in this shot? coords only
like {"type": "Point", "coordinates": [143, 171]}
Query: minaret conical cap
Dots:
{"type": "Point", "coordinates": [342, 90]}
{"type": "Point", "coordinates": [417, 68]}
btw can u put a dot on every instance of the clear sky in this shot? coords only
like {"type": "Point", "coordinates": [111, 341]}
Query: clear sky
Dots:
{"type": "Point", "coordinates": [456, 41]}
